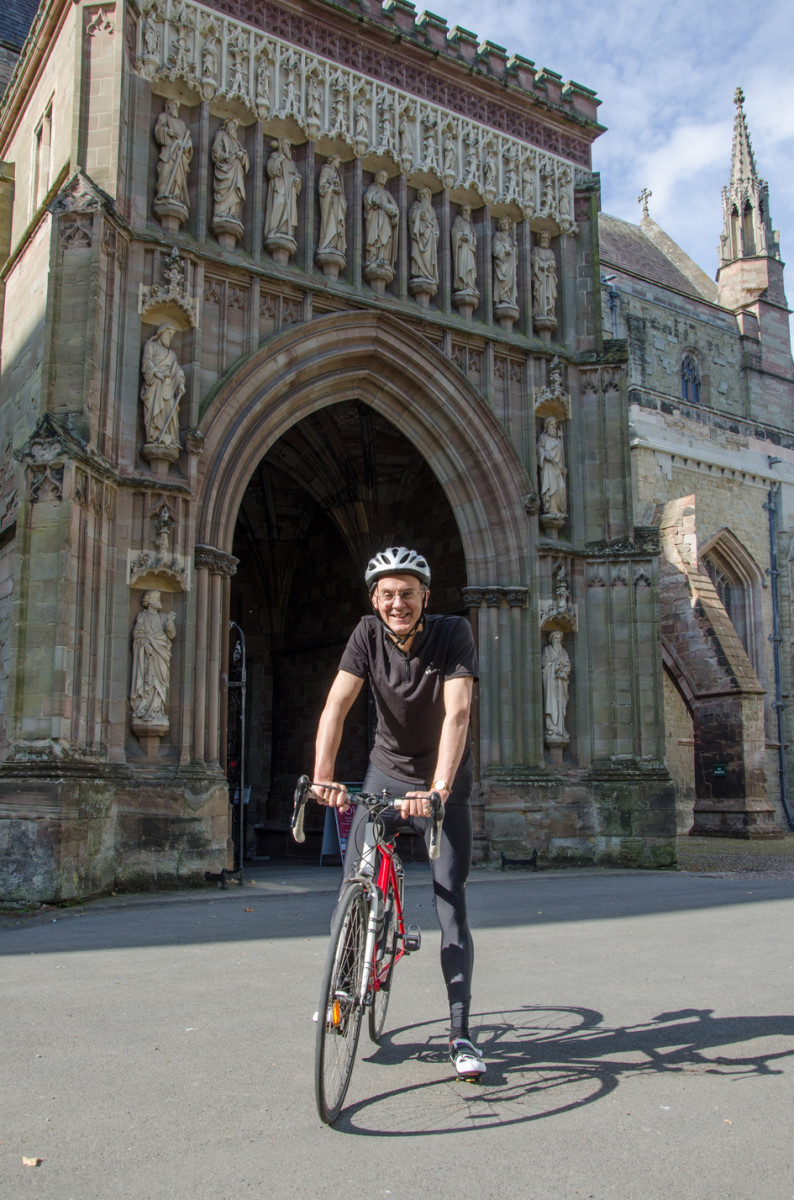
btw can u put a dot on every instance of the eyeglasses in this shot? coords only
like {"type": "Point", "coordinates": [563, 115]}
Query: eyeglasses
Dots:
{"type": "Point", "coordinates": [408, 595]}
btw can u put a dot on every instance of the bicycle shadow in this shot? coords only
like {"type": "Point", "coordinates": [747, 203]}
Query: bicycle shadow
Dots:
{"type": "Point", "coordinates": [543, 1062]}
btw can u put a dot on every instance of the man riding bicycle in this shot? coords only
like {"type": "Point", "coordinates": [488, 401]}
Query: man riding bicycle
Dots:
{"type": "Point", "coordinates": [421, 669]}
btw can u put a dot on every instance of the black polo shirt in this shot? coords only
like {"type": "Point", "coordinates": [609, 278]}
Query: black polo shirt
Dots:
{"type": "Point", "coordinates": [409, 690]}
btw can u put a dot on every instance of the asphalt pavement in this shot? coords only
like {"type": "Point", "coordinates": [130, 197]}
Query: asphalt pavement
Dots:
{"type": "Point", "coordinates": [638, 1028]}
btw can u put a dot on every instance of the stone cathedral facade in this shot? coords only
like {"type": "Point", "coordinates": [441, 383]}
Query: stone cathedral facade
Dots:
{"type": "Point", "coordinates": [286, 282]}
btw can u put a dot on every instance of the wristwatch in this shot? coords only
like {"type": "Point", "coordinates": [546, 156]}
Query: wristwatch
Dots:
{"type": "Point", "coordinates": [440, 785]}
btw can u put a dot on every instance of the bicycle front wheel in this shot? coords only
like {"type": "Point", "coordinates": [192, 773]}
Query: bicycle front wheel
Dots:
{"type": "Point", "coordinates": [384, 967]}
{"type": "Point", "coordinates": [340, 1011]}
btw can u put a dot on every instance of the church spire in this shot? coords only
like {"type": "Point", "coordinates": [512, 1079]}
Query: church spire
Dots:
{"type": "Point", "coordinates": [747, 231]}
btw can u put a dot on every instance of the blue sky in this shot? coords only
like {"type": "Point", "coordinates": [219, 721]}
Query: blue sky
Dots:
{"type": "Point", "coordinates": [666, 76]}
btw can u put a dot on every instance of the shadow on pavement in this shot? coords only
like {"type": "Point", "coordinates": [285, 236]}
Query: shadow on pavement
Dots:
{"type": "Point", "coordinates": [547, 1061]}
{"type": "Point", "coordinates": [494, 901]}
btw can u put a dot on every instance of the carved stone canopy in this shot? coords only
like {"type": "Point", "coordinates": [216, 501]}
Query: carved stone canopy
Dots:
{"type": "Point", "coordinates": [553, 400]}
{"type": "Point", "coordinates": [169, 302]}
{"type": "Point", "coordinates": [159, 568]}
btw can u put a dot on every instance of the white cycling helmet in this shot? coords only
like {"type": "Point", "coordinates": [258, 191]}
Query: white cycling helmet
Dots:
{"type": "Point", "coordinates": [396, 560]}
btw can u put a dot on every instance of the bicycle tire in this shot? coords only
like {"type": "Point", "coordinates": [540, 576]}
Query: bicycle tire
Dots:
{"type": "Point", "coordinates": [389, 939]}
{"type": "Point", "coordinates": [340, 1011]}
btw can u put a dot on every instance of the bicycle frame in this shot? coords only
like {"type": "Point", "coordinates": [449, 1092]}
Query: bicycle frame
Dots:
{"type": "Point", "coordinates": [377, 890]}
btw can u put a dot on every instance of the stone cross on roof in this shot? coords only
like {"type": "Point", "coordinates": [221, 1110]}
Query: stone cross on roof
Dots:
{"type": "Point", "coordinates": [643, 199]}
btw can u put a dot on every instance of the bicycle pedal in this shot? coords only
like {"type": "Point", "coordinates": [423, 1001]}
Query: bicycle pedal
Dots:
{"type": "Point", "coordinates": [413, 939]}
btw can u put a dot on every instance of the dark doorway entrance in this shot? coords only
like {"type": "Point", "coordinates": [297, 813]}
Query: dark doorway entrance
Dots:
{"type": "Point", "coordinates": [337, 487]}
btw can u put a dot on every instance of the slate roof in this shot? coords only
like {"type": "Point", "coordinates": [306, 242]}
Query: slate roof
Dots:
{"type": "Point", "coordinates": [16, 18]}
{"type": "Point", "coordinates": [626, 247]}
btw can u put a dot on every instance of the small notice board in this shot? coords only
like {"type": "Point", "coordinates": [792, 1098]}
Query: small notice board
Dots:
{"type": "Point", "coordinates": [337, 828]}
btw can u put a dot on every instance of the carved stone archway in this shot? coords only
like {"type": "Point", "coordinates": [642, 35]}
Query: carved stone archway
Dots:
{"type": "Point", "coordinates": [378, 361]}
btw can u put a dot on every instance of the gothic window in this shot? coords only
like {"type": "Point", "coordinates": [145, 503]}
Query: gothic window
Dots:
{"type": "Point", "coordinates": [42, 152]}
{"type": "Point", "coordinates": [738, 582]}
{"type": "Point", "coordinates": [732, 595]}
{"type": "Point", "coordinates": [690, 380]}
{"type": "Point", "coordinates": [747, 229]}
{"type": "Point", "coordinates": [736, 240]}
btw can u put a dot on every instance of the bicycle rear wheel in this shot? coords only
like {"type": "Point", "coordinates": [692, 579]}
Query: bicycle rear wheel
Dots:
{"type": "Point", "coordinates": [340, 1011]}
{"type": "Point", "coordinates": [387, 949]}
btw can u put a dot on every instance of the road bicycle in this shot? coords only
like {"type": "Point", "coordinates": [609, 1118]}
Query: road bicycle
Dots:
{"type": "Point", "coordinates": [368, 939]}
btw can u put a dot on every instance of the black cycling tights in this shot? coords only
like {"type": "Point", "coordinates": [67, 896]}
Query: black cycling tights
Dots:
{"type": "Point", "coordinates": [450, 872]}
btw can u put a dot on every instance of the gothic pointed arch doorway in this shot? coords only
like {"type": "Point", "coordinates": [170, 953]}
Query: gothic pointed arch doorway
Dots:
{"type": "Point", "coordinates": [328, 441]}
{"type": "Point", "coordinates": [338, 485]}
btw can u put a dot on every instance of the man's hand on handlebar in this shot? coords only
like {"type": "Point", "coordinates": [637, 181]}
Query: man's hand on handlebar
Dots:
{"type": "Point", "coordinates": [333, 795]}
{"type": "Point", "coordinates": [417, 804]}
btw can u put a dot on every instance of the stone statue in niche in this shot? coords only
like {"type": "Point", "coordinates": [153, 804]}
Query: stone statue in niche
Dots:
{"type": "Point", "coordinates": [361, 124]}
{"type": "Point", "coordinates": [152, 635]}
{"type": "Point", "coordinates": [332, 243]}
{"type": "Point", "coordinates": [511, 176]}
{"type": "Point", "coordinates": [564, 207]}
{"type": "Point", "coordinates": [489, 173]}
{"type": "Point", "coordinates": [465, 295]}
{"type": "Point", "coordinates": [556, 671]}
{"type": "Point", "coordinates": [339, 105]}
{"type": "Point", "coordinates": [381, 216]}
{"type": "Point", "coordinates": [231, 164]}
{"type": "Point", "coordinates": [424, 233]}
{"type": "Point", "coordinates": [210, 64]}
{"type": "Point", "coordinates": [151, 36]}
{"type": "Point", "coordinates": [528, 187]}
{"type": "Point", "coordinates": [450, 154]}
{"type": "Point", "coordinates": [544, 285]}
{"type": "Point", "coordinates": [263, 83]}
{"type": "Point", "coordinates": [552, 473]}
{"type": "Point", "coordinates": [405, 116]}
{"type": "Point", "coordinates": [163, 388]}
{"type": "Point", "coordinates": [171, 200]}
{"type": "Point", "coordinates": [505, 284]}
{"type": "Point", "coordinates": [314, 103]}
{"type": "Point", "coordinates": [281, 207]}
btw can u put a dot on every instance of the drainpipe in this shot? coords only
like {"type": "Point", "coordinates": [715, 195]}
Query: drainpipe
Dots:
{"type": "Point", "coordinates": [775, 639]}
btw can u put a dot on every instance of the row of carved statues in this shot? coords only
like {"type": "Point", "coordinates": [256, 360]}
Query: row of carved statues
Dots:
{"type": "Point", "coordinates": [381, 222]}
{"type": "Point", "coordinates": [163, 386]}
{"type": "Point", "coordinates": [154, 631]}
{"type": "Point", "coordinates": [220, 59]}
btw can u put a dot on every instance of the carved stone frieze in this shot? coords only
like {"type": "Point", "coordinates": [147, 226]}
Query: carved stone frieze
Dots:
{"type": "Point", "coordinates": [332, 87]}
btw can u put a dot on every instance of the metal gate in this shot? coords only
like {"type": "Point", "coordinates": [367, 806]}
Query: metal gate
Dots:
{"type": "Point", "coordinates": [239, 792]}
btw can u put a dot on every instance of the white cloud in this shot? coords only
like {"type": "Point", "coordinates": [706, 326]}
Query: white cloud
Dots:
{"type": "Point", "coordinates": [666, 75]}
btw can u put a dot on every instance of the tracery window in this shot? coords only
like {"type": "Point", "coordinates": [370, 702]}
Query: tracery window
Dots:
{"type": "Point", "coordinates": [738, 583]}
{"type": "Point", "coordinates": [732, 595]}
{"type": "Point", "coordinates": [690, 380]}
